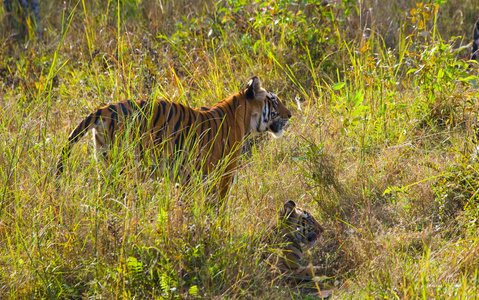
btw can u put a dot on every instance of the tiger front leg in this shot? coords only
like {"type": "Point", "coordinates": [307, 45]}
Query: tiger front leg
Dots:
{"type": "Point", "coordinates": [307, 272]}
{"type": "Point", "coordinates": [292, 257]}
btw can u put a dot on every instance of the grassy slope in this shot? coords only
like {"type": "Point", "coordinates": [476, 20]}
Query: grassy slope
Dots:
{"type": "Point", "coordinates": [398, 123]}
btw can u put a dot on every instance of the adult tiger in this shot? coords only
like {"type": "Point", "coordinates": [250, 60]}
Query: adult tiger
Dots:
{"type": "Point", "coordinates": [215, 132]}
{"type": "Point", "coordinates": [294, 227]}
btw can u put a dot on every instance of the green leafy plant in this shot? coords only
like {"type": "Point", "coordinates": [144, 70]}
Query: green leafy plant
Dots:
{"type": "Point", "coordinates": [457, 193]}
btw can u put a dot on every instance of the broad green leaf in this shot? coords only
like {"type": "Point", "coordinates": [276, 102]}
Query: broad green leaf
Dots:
{"type": "Point", "coordinates": [338, 86]}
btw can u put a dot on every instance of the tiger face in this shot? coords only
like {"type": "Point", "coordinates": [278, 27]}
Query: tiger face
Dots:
{"type": "Point", "coordinates": [269, 113]}
{"type": "Point", "coordinates": [301, 225]}
{"type": "Point", "coordinates": [278, 113]}
{"type": "Point", "coordinates": [296, 227]}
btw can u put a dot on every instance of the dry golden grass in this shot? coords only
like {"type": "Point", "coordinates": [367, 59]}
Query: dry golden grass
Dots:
{"type": "Point", "coordinates": [378, 149]}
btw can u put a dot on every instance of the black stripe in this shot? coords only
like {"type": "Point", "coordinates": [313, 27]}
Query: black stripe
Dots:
{"type": "Point", "coordinates": [181, 137]}
{"type": "Point", "coordinates": [113, 119]}
{"type": "Point", "coordinates": [230, 108]}
{"type": "Point", "coordinates": [114, 112]}
{"type": "Point", "coordinates": [219, 111]}
{"type": "Point", "coordinates": [86, 122]}
{"type": "Point", "coordinates": [235, 101]}
{"type": "Point", "coordinates": [200, 124]}
{"type": "Point", "coordinates": [165, 125]}
{"type": "Point", "coordinates": [250, 92]}
{"type": "Point", "coordinates": [189, 120]}
{"type": "Point", "coordinates": [97, 115]}
{"type": "Point", "coordinates": [173, 110]}
{"type": "Point", "coordinates": [141, 104]}
{"type": "Point", "coordinates": [208, 125]}
{"type": "Point", "coordinates": [182, 108]}
{"type": "Point", "coordinates": [204, 132]}
{"type": "Point", "coordinates": [178, 123]}
{"type": "Point", "coordinates": [159, 112]}
{"type": "Point", "coordinates": [124, 109]}
{"type": "Point", "coordinates": [76, 136]}
{"type": "Point", "coordinates": [207, 114]}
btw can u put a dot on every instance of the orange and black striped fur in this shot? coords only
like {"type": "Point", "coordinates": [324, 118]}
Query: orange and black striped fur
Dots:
{"type": "Point", "coordinates": [216, 132]}
{"type": "Point", "coordinates": [295, 227]}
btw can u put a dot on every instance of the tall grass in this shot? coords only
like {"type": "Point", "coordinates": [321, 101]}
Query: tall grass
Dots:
{"type": "Point", "coordinates": [379, 149]}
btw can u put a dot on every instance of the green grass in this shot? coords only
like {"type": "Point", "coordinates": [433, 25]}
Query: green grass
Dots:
{"type": "Point", "coordinates": [379, 149]}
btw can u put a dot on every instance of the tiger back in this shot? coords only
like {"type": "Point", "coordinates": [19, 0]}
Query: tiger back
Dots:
{"type": "Point", "coordinates": [217, 132]}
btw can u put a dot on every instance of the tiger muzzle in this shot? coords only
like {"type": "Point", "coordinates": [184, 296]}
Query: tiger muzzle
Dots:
{"type": "Point", "coordinates": [279, 125]}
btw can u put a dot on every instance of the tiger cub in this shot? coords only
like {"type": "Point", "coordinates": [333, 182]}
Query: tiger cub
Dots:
{"type": "Point", "coordinates": [295, 227]}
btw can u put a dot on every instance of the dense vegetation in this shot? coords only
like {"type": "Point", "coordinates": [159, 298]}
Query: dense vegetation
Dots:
{"type": "Point", "coordinates": [380, 148]}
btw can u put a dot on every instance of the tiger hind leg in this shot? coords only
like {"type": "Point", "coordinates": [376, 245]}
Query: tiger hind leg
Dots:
{"type": "Point", "coordinates": [101, 144]}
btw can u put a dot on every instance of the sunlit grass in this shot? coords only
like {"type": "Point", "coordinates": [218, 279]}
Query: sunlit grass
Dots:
{"type": "Point", "coordinates": [378, 149]}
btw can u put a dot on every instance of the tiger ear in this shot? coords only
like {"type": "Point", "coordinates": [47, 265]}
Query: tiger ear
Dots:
{"type": "Point", "coordinates": [288, 207]}
{"type": "Point", "coordinates": [254, 89]}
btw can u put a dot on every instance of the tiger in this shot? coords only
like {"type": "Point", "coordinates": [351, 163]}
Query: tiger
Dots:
{"type": "Point", "coordinates": [294, 227]}
{"type": "Point", "coordinates": [216, 132]}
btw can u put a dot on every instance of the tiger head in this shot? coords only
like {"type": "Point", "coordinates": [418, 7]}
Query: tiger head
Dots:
{"type": "Point", "coordinates": [268, 113]}
{"type": "Point", "coordinates": [299, 225]}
